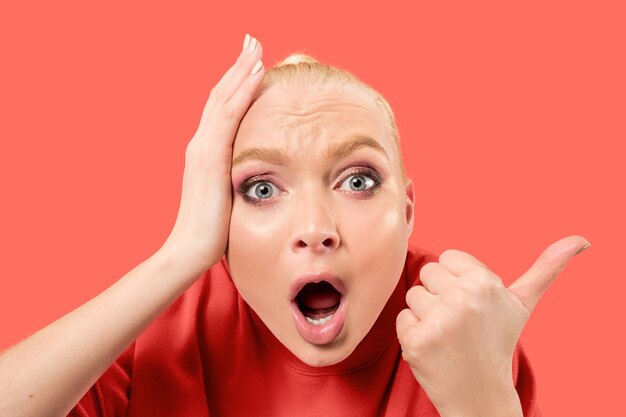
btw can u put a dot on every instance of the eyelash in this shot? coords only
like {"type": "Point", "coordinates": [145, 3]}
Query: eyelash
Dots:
{"type": "Point", "coordinates": [369, 173]}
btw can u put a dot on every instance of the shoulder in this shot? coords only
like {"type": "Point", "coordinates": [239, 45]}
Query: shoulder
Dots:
{"type": "Point", "coordinates": [210, 298]}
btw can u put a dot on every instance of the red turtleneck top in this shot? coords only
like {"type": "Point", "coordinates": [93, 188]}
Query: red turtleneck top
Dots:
{"type": "Point", "coordinates": [210, 355]}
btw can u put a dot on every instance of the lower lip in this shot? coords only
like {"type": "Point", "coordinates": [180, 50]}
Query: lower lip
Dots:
{"type": "Point", "coordinates": [324, 333]}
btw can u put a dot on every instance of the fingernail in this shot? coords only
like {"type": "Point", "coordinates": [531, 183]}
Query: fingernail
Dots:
{"type": "Point", "coordinates": [245, 42]}
{"type": "Point", "coordinates": [583, 248]}
{"type": "Point", "coordinates": [252, 45]}
{"type": "Point", "coordinates": [257, 67]}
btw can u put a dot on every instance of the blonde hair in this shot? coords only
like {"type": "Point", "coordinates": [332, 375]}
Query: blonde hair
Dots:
{"type": "Point", "coordinates": [300, 69]}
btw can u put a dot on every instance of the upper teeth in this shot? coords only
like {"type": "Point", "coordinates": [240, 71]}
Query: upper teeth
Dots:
{"type": "Point", "coordinates": [319, 322]}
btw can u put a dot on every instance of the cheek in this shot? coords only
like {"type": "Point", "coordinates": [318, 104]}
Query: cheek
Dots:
{"type": "Point", "coordinates": [254, 242]}
{"type": "Point", "coordinates": [380, 244]}
{"type": "Point", "coordinates": [248, 229]}
{"type": "Point", "coordinates": [381, 225]}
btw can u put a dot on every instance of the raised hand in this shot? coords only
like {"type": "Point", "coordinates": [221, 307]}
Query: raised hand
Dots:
{"type": "Point", "coordinates": [202, 224]}
{"type": "Point", "coordinates": [71, 353]}
{"type": "Point", "coordinates": [462, 325]}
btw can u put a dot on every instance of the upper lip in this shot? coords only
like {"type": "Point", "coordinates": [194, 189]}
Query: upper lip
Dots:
{"type": "Point", "coordinates": [304, 279]}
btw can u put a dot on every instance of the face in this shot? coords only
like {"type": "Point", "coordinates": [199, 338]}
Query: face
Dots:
{"type": "Point", "coordinates": [322, 198]}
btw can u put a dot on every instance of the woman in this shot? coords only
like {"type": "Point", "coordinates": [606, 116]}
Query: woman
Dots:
{"type": "Point", "coordinates": [287, 285]}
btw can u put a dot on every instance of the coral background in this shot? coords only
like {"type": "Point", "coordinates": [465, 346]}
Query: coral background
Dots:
{"type": "Point", "coordinates": [512, 118]}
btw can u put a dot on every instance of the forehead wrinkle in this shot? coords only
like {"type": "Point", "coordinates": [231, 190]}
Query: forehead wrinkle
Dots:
{"type": "Point", "coordinates": [302, 124]}
{"type": "Point", "coordinates": [294, 131]}
{"type": "Point", "coordinates": [277, 156]}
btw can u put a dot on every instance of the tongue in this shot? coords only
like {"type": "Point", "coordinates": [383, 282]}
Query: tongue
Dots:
{"type": "Point", "coordinates": [319, 296]}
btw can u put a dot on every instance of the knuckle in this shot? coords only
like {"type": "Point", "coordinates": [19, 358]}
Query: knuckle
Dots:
{"type": "Point", "coordinates": [489, 282]}
{"type": "Point", "coordinates": [246, 87]}
{"type": "Point", "coordinates": [411, 337]}
{"type": "Point", "coordinates": [481, 278]}
{"type": "Point", "coordinates": [481, 270]}
{"type": "Point", "coordinates": [223, 115]}
{"type": "Point", "coordinates": [448, 254]}
{"type": "Point", "coordinates": [192, 162]}
{"type": "Point", "coordinates": [197, 153]}
{"type": "Point", "coordinates": [457, 297]}
{"type": "Point", "coordinates": [216, 94]}
{"type": "Point", "coordinates": [191, 149]}
{"type": "Point", "coordinates": [464, 301]}
{"type": "Point", "coordinates": [399, 321]}
{"type": "Point", "coordinates": [555, 273]}
{"type": "Point", "coordinates": [414, 291]}
{"type": "Point", "coordinates": [440, 326]}
{"type": "Point", "coordinates": [495, 284]}
{"type": "Point", "coordinates": [410, 294]}
{"type": "Point", "coordinates": [413, 344]}
{"type": "Point", "coordinates": [427, 270]}
{"type": "Point", "coordinates": [228, 113]}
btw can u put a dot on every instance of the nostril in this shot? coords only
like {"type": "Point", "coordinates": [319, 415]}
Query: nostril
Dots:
{"type": "Point", "coordinates": [314, 244]}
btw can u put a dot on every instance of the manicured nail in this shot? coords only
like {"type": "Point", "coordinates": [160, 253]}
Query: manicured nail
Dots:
{"type": "Point", "coordinates": [252, 45]}
{"type": "Point", "coordinates": [583, 248]}
{"type": "Point", "coordinates": [257, 67]}
{"type": "Point", "coordinates": [245, 42]}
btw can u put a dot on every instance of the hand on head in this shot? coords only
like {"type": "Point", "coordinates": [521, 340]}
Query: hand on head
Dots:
{"type": "Point", "coordinates": [202, 223]}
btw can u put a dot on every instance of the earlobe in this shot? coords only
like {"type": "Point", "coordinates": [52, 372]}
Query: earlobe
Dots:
{"type": "Point", "coordinates": [410, 206]}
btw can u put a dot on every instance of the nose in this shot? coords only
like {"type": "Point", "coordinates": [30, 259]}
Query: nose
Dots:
{"type": "Point", "coordinates": [317, 242]}
{"type": "Point", "coordinates": [315, 230]}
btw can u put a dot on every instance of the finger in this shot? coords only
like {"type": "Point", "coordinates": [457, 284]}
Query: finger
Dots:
{"type": "Point", "coordinates": [225, 108]}
{"type": "Point", "coordinates": [228, 74]}
{"type": "Point", "coordinates": [529, 287]}
{"type": "Point", "coordinates": [459, 262]}
{"type": "Point", "coordinates": [420, 301]}
{"type": "Point", "coordinates": [245, 94]}
{"type": "Point", "coordinates": [238, 73]}
{"type": "Point", "coordinates": [405, 321]}
{"type": "Point", "coordinates": [435, 277]}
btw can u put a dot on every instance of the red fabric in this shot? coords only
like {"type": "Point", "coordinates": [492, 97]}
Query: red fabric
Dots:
{"type": "Point", "coordinates": [209, 354]}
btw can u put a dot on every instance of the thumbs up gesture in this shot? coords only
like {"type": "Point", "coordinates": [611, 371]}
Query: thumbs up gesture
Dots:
{"type": "Point", "coordinates": [462, 325]}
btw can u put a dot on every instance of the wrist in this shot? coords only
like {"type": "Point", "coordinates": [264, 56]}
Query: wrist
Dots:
{"type": "Point", "coordinates": [498, 400]}
{"type": "Point", "coordinates": [193, 255]}
{"type": "Point", "coordinates": [182, 257]}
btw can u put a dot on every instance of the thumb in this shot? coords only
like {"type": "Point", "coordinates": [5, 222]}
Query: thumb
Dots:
{"type": "Point", "coordinates": [530, 287]}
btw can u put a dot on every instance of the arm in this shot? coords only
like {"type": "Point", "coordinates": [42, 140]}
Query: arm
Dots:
{"type": "Point", "coordinates": [48, 373]}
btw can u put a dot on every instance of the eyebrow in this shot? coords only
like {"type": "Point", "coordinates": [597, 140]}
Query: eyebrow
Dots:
{"type": "Point", "coordinates": [277, 157]}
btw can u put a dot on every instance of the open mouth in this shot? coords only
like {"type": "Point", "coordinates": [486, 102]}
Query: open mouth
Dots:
{"type": "Point", "coordinates": [319, 312]}
{"type": "Point", "coordinates": [318, 301]}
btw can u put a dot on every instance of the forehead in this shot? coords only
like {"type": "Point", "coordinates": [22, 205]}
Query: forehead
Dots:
{"type": "Point", "coordinates": [302, 120]}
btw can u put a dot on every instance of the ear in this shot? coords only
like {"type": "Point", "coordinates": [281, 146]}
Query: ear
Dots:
{"type": "Point", "coordinates": [410, 206]}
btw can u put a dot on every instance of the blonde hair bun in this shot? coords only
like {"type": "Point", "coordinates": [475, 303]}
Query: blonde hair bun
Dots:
{"type": "Point", "coordinates": [297, 58]}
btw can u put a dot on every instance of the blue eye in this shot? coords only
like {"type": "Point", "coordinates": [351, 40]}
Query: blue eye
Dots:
{"type": "Point", "coordinates": [358, 182]}
{"type": "Point", "coordinates": [363, 182]}
{"type": "Point", "coordinates": [260, 190]}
